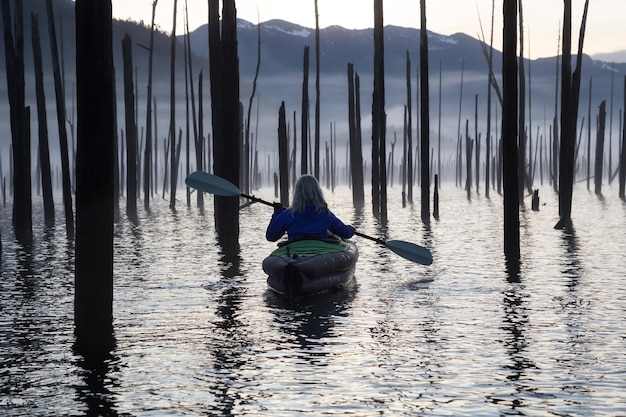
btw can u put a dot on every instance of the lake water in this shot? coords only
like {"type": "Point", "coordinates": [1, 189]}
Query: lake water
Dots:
{"type": "Point", "coordinates": [198, 334]}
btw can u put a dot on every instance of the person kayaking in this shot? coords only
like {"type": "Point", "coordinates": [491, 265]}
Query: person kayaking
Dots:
{"type": "Point", "coordinates": [308, 217]}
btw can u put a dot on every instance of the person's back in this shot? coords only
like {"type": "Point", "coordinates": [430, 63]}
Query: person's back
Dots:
{"type": "Point", "coordinates": [308, 217]}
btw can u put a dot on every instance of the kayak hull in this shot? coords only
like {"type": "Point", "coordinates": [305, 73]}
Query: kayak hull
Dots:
{"type": "Point", "coordinates": [310, 267]}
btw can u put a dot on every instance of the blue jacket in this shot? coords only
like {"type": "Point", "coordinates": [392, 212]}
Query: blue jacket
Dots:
{"type": "Point", "coordinates": [308, 225]}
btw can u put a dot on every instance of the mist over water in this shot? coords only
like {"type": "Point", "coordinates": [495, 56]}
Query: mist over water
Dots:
{"type": "Point", "coordinates": [198, 332]}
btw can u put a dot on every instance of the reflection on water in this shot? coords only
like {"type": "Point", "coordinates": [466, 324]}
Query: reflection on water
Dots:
{"type": "Point", "coordinates": [199, 333]}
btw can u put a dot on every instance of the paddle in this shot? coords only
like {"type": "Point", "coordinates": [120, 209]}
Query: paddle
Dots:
{"type": "Point", "coordinates": [213, 184]}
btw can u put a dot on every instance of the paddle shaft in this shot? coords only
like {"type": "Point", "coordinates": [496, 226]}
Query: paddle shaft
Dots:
{"type": "Point", "coordinates": [213, 184]}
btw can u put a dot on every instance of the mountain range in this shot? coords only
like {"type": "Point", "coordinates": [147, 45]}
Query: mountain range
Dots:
{"type": "Point", "coordinates": [454, 61]}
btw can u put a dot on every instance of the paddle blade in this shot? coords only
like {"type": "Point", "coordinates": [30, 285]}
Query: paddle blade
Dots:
{"type": "Point", "coordinates": [212, 184]}
{"type": "Point", "coordinates": [410, 251]}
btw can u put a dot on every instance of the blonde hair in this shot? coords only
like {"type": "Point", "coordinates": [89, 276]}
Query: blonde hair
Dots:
{"type": "Point", "coordinates": [307, 192]}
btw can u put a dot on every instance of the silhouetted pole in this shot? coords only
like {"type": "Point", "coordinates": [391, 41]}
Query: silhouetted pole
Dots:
{"type": "Point", "coordinates": [93, 307]}
{"type": "Point", "coordinates": [509, 136]}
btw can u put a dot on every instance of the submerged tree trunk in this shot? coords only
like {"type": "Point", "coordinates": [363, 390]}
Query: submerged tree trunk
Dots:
{"type": "Point", "coordinates": [379, 118]}
{"type": "Point", "coordinates": [224, 71]}
{"type": "Point", "coordinates": [147, 170]}
{"type": "Point", "coordinates": [622, 160]}
{"type": "Point", "coordinates": [93, 307]}
{"type": "Point", "coordinates": [304, 115]}
{"type": "Point", "coordinates": [131, 130]}
{"type": "Point", "coordinates": [44, 148]}
{"type": "Point", "coordinates": [509, 136]}
{"type": "Point", "coordinates": [246, 160]}
{"type": "Point", "coordinates": [20, 140]}
{"type": "Point", "coordinates": [356, 151]}
{"type": "Point", "coordinates": [316, 159]}
{"type": "Point", "coordinates": [569, 111]}
{"type": "Point", "coordinates": [61, 117]}
{"type": "Point", "coordinates": [599, 167]}
{"type": "Point", "coordinates": [425, 117]}
{"type": "Point", "coordinates": [173, 165]}
{"type": "Point", "coordinates": [283, 156]}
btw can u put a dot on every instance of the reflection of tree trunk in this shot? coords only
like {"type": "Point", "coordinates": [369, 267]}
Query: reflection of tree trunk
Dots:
{"type": "Point", "coordinates": [131, 130]}
{"type": "Point", "coordinates": [94, 188]}
{"type": "Point", "coordinates": [509, 135]}
{"type": "Point", "coordinates": [60, 102]}
{"type": "Point", "coordinates": [44, 150]}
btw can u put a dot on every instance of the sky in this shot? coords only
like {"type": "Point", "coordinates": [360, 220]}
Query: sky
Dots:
{"type": "Point", "coordinates": [606, 31]}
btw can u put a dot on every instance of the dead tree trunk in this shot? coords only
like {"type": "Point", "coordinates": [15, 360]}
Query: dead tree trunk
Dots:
{"type": "Point", "coordinates": [569, 112]}
{"type": "Point", "coordinates": [356, 151]}
{"type": "Point", "coordinates": [61, 117]}
{"type": "Point", "coordinates": [246, 160]}
{"type": "Point", "coordinates": [147, 168]}
{"type": "Point", "coordinates": [598, 167]}
{"type": "Point", "coordinates": [93, 307]}
{"type": "Point", "coordinates": [283, 156]}
{"type": "Point", "coordinates": [131, 130]}
{"type": "Point", "coordinates": [20, 122]}
{"type": "Point", "coordinates": [509, 137]}
{"type": "Point", "coordinates": [304, 115]}
{"type": "Point", "coordinates": [425, 116]}
{"type": "Point", "coordinates": [20, 140]}
{"type": "Point", "coordinates": [521, 120]}
{"type": "Point", "coordinates": [379, 119]}
{"type": "Point", "coordinates": [622, 157]}
{"type": "Point", "coordinates": [316, 159]}
{"type": "Point", "coordinates": [44, 148]}
{"type": "Point", "coordinates": [173, 165]}
{"type": "Point", "coordinates": [409, 130]}
{"type": "Point", "coordinates": [200, 139]}
{"type": "Point", "coordinates": [224, 71]}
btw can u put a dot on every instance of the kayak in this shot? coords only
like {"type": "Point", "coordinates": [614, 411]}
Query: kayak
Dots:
{"type": "Point", "coordinates": [307, 267]}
